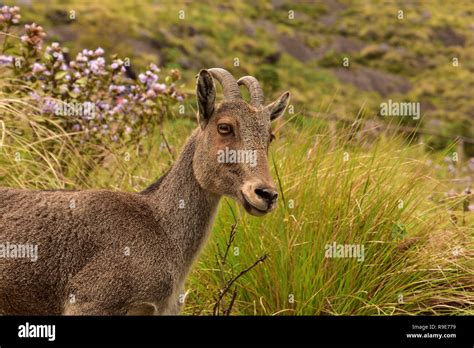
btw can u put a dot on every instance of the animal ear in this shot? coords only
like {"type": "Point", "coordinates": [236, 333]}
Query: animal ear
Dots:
{"type": "Point", "coordinates": [277, 108]}
{"type": "Point", "coordinates": [206, 97]}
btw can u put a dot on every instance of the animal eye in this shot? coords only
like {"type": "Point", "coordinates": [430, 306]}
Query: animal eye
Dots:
{"type": "Point", "coordinates": [224, 128]}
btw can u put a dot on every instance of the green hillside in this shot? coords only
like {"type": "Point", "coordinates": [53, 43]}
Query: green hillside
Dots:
{"type": "Point", "coordinates": [300, 46]}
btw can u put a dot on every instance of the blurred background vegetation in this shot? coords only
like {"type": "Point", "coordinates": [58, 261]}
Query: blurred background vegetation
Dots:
{"type": "Point", "coordinates": [408, 59]}
{"type": "Point", "coordinates": [399, 186]}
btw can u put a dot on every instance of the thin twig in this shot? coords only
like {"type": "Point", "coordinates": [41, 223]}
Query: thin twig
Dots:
{"type": "Point", "coordinates": [231, 304]}
{"type": "Point", "coordinates": [233, 232]}
{"type": "Point", "coordinates": [233, 280]}
{"type": "Point", "coordinates": [222, 259]}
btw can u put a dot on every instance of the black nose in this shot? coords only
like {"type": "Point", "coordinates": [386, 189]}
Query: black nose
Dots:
{"type": "Point", "coordinates": [268, 194]}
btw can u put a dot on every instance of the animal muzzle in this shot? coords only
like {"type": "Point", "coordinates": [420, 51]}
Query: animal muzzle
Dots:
{"type": "Point", "coordinates": [258, 197]}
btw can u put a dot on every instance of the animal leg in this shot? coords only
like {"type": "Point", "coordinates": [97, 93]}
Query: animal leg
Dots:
{"type": "Point", "coordinates": [145, 308]}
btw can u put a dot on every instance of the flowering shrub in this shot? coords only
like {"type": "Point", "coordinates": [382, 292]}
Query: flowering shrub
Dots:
{"type": "Point", "coordinates": [87, 95]}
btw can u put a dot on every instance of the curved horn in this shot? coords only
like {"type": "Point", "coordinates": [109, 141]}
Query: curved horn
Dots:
{"type": "Point", "coordinates": [229, 85]}
{"type": "Point", "coordinates": [256, 93]}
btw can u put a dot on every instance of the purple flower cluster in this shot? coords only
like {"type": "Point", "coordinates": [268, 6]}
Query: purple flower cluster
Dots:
{"type": "Point", "coordinates": [149, 80]}
{"type": "Point", "coordinates": [34, 35]}
{"type": "Point", "coordinates": [9, 15]}
{"type": "Point", "coordinates": [124, 109]}
{"type": "Point", "coordinates": [6, 60]}
{"type": "Point", "coordinates": [89, 62]}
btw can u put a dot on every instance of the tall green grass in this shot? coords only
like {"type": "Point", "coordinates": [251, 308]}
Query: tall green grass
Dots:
{"type": "Point", "coordinates": [416, 259]}
{"type": "Point", "coordinates": [35, 151]}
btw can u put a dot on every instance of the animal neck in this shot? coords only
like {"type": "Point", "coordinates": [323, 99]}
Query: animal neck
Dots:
{"type": "Point", "coordinates": [183, 208]}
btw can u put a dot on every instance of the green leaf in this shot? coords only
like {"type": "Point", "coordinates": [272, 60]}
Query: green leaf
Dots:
{"type": "Point", "coordinates": [72, 94]}
{"type": "Point", "coordinates": [48, 57]}
{"type": "Point", "coordinates": [82, 81]}
{"type": "Point", "coordinates": [60, 75]}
